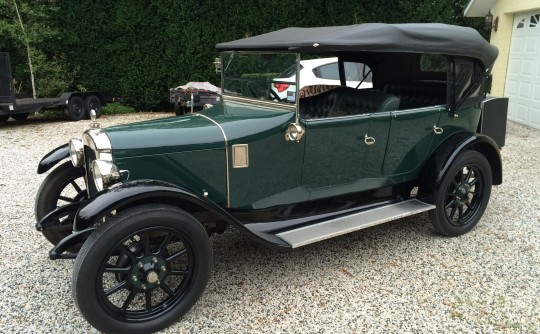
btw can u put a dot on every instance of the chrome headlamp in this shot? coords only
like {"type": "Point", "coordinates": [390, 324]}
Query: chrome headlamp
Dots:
{"type": "Point", "coordinates": [76, 152]}
{"type": "Point", "coordinates": [99, 142]}
{"type": "Point", "coordinates": [105, 174]}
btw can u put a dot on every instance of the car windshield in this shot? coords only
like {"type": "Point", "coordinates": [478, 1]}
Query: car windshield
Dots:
{"type": "Point", "coordinates": [255, 75]}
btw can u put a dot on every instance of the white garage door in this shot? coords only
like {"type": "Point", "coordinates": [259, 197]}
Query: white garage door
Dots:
{"type": "Point", "coordinates": [523, 75]}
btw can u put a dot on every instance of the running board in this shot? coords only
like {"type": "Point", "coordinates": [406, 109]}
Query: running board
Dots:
{"type": "Point", "coordinates": [357, 221]}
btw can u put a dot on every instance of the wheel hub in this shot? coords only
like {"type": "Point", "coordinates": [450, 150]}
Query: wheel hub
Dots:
{"type": "Point", "coordinates": [148, 272]}
{"type": "Point", "coordinates": [152, 277]}
{"type": "Point", "coordinates": [462, 192]}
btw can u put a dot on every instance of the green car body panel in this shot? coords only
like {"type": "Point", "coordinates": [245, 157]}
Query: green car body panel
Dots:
{"type": "Point", "coordinates": [171, 150]}
{"type": "Point", "coordinates": [190, 151]}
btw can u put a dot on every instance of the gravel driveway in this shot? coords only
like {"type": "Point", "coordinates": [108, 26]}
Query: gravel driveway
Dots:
{"type": "Point", "coordinates": [397, 277]}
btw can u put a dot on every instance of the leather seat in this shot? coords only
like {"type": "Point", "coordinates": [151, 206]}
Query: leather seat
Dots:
{"type": "Point", "coordinates": [345, 101]}
{"type": "Point", "coordinates": [418, 94]}
{"type": "Point", "coordinates": [366, 101]}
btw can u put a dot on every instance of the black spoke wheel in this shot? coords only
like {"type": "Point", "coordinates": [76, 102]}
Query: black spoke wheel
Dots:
{"type": "Point", "coordinates": [463, 195]}
{"type": "Point", "coordinates": [142, 270]}
{"type": "Point", "coordinates": [20, 117]}
{"type": "Point", "coordinates": [64, 185]}
{"type": "Point", "coordinates": [76, 110]}
{"type": "Point", "coordinates": [92, 102]}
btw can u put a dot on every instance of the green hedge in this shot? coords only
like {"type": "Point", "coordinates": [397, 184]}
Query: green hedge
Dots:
{"type": "Point", "coordinates": [139, 49]}
{"type": "Point", "coordinates": [260, 76]}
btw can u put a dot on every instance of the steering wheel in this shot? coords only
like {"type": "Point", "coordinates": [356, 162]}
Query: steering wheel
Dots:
{"type": "Point", "coordinates": [258, 90]}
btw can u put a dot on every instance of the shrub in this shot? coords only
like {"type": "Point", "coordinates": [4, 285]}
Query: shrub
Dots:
{"type": "Point", "coordinates": [117, 108]}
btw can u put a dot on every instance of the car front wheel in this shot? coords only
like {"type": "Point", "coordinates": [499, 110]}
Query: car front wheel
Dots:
{"type": "Point", "coordinates": [463, 195]}
{"type": "Point", "coordinates": [63, 186]}
{"type": "Point", "coordinates": [142, 270]}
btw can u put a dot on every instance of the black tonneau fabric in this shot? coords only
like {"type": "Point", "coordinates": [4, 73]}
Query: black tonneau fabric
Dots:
{"type": "Point", "coordinates": [378, 37]}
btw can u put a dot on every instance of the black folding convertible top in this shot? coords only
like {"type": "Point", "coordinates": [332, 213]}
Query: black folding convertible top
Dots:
{"type": "Point", "coordinates": [377, 37]}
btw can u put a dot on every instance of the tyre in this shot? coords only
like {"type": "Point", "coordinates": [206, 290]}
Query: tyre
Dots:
{"type": "Point", "coordinates": [92, 102]}
{"type": "Point", "coordinates": [20, 117]}
{"type": "Point", "coordinates": [142, 270]}
{"type": "Point", "coordinates": [463, 195]}
{"type": "Point", "coordinates": [64, 185]}
{"type": "Point", "coordinates": [76, 108]}
{"type": "Point", "coordinates": [179, 110]}
{"type": "Point", "coordinates": [4, 118]}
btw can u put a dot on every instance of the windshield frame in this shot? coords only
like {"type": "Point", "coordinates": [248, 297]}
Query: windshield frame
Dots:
{"type": "Point", "coordinates": [246, 99]}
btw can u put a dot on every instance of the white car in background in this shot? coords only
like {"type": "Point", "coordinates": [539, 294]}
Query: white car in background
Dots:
{"type": "Point", "coordinates": [321, 71]}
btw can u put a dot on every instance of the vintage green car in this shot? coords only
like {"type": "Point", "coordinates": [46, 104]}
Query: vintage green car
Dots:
{"type": "Point", "coordinates": [137, 203]}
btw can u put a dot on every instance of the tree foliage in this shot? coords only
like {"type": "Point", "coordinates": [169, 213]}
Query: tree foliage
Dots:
{"type": "Point", "coordinates": [42, 35]}
{"type": "Point", "coordinates": [139, 49]}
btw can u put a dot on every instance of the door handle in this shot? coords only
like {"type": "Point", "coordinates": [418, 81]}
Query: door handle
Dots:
{"type": "Point", "coordinates": [437, 130]}
{"type": "Point", "coordinates": [369, 140]}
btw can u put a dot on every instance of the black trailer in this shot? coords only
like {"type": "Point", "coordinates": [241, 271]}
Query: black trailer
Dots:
{"type": "Point", "coordinates": [76, 105]}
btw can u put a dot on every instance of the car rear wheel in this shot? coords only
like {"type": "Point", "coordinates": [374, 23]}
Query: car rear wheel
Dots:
{"type": "Point", "coordinates": [463, 195]}
{"type": "Point", "coordinates": [142, 270]}
{"type": "Point", "coordinates": [4, 118]}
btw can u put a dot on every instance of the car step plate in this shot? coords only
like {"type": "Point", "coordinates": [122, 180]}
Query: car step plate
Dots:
{"type": "Point", "coordinates": [357, 221]}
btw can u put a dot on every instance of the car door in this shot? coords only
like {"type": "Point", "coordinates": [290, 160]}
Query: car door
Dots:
{"type": "Point", "coordinates": [335, 152]}
{"type": "Point", "coordinates": [410, 138]}
{"type": "Point", "coordinates": [377, 141]}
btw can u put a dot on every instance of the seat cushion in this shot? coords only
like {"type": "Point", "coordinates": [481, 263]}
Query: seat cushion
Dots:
{"type": "Point", "coordinates": [321, 105]}
{"type": "Point", "coordinates": [418, 94]}
{"type": "Point", "coordinates": [344, 101]}
{"type": "Point", "coordinates": [366, 101]}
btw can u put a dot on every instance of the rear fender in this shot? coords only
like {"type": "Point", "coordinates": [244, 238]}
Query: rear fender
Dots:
{"type": "Point", "coordinates": [131, 193]}
{"type": "Point", "coordinates": [52, 158]}
{"type": "Point", "coordinates": [441, 159]}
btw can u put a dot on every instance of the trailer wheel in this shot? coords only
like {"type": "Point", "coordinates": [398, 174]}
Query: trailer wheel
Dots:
{"type": "Point", "coordinates": [76, 108]}
{"type": "Point", "coordinates": [4, 118]}
{"type": "Point", "coordinates": [92, 102]}
{"type": "Point", "coordinates": [20, 117]}
{"type": "Point", "coordinates": [179, 110]}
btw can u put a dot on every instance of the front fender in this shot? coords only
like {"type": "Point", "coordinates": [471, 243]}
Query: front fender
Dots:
{"type": "Point", "coordinates": [61, 250]}
{"type": "Point", "coordinates": [137, 191]}
{"type": "Point", "coordinates": [52, 158]}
